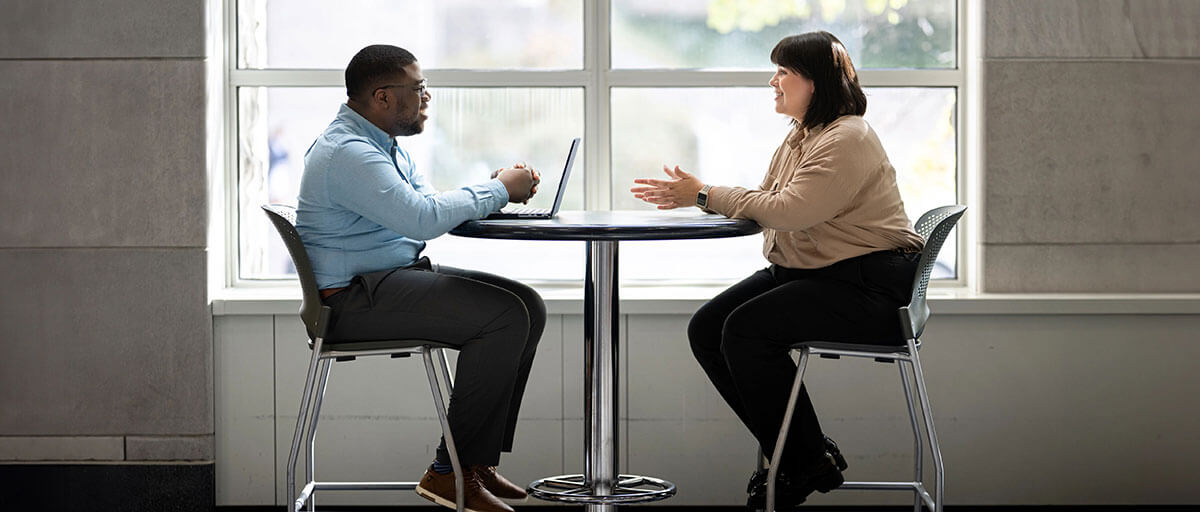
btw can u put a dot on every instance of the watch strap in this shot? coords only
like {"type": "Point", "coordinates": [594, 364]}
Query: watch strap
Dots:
{"type": "Point", "coordinates": [702, 197]}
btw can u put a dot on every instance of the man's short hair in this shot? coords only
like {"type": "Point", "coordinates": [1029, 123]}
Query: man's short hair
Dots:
{"type": "Point", "coordinates": [820, 57]}
{"type": "Point", "coordinates": [372, 65]}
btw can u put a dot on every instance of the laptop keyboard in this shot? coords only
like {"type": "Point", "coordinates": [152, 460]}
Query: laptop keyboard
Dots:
{"type": "Point", "coordinates": [525, 211]}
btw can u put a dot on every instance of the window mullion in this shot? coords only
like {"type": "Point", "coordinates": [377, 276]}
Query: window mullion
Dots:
{"type": "Point", "coordinates": [437, 78]}
{"type": "Point", "coordinates": [704, 78]}
{"type": "Point", "coordinates": [969, 28]}
{"type": "Point", "coordinates": [597, 114]}
{"type": "Point", "coordinates": [911, 77]}
{"type": "Point", "coordinates": [595, 76]}
{"type": "Point", "coordinates": [229, 106]}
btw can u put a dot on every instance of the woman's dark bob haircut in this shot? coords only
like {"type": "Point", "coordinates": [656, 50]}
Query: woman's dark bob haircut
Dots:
{"type": "Point", "coordinates": [820, 57]}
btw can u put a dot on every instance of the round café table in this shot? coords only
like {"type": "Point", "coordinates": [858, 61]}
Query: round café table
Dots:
{"type": "Point", "coordinates": [599, 487]}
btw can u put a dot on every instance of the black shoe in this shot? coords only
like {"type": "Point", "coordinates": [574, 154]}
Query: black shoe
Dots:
{"type": "Point", "coordinates": [758, 479]}
{"type": "Point", "coordinates": [831, 452]}
{"type": "Point", "coordinates": [834, 454]}
{"type": "Point", "coordinates": [792, 489]}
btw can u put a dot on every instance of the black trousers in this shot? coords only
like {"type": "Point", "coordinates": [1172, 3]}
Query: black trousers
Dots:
{"type": "Point", "coordinates": [741, 337]}
{"type": "Point", "coordinates": [496, 323]}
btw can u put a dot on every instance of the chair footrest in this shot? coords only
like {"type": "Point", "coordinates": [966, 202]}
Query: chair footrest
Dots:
{"type": "Point", "coordinates": [917, 487]}
{"type": "Point", "coordinates": [311, 487]}
{"type": "Point", "coordinates": [364, 486]}
{"type": "Point", "coordinates": [896, 486]}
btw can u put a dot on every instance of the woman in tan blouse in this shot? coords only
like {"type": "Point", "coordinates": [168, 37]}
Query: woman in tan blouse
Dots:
{"type": "Point", "coordinates": [842, 256]}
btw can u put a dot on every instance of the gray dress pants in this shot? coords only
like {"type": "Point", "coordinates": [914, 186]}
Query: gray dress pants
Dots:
{"type": "Point", "coordinates": [494, 321]}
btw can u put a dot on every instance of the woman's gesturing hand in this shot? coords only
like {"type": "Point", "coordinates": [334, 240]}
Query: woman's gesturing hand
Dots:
{"type": "Point", "coordinates": [678, 192]}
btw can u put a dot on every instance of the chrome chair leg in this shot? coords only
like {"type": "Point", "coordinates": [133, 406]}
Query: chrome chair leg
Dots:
{"type": "Point", "coordinates": [459, 497]}
{"type": "Point", "coordinates": [777, 456]}
{"type": "Point", "coordinates": [309, 456]}
{"type": "Point", "coordinates": [447, 375]}
{"type": "Point", "coordinates": [446, 372]}
{"type": "Point", "coordinates": [301, 419]}
{"type": "Point", "coordinates": [934, 447]}
{"type": "Point", "coordinates": [447, 392]}
{"type": "Point", "coordinates": [918, 454]}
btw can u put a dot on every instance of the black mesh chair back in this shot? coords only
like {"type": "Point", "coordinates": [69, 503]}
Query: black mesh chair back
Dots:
{"type": "Point", "coordinates": [934, 226]}
{"type": "Point", "coordinates": [313, 312]}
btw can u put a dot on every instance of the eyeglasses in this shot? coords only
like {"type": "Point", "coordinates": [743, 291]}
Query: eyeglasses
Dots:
{"type": "Point", "coordinates": [420, 88]}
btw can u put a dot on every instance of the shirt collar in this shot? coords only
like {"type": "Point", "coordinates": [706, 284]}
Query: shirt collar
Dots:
{"type": "Point", "coordinates": [794, 138]}
{"type": "Point", "coordinates": [799, 135]}
{"type": "Point", "coordinates": [365, 127]}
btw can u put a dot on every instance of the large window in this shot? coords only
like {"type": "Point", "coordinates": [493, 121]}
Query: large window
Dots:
{"type": "Point", "coordinates": [644, 83]}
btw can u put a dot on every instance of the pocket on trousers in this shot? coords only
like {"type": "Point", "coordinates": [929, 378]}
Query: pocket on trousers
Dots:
{"type": "Point", "coordinates": [370, 281]}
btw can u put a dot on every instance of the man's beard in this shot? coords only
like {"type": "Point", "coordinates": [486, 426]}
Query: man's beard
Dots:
{"type": "Point", "coordinates": [411, 127]}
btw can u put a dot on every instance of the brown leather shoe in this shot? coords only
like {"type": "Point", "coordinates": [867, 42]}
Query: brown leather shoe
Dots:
{"type": "Point", "coordinates": [495, 483]}
{"type": "Point", "coordinates": [439, 489]}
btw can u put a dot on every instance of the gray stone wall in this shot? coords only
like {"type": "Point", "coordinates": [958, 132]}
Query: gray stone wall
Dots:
{"type": "Point", "coordinates": [1092, 162]}
{"type": "Point", "coordinates": [106, 339]}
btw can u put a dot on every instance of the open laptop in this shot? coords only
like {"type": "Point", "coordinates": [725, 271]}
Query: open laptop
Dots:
{"type": "Point", "coordinates": [542, 213]}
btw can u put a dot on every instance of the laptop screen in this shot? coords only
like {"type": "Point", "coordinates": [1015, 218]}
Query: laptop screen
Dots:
{"type": "Point", "coordinates": [562, 184]}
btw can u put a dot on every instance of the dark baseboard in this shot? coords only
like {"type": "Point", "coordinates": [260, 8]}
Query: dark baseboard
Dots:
{"type": "Point", "coordinates": [107, 487]}
{"type": "Point", "coordinates": [815, 508]}
{"type": "Point", "coordinates": [166, 487]}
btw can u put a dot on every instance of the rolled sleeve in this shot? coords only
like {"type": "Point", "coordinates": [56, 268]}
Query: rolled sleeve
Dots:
{"type": "Point", "coordinates": [368, 183]}
{"type": "Point", "coordinates": [499, 193]}
{"type": "Point", "coordinates": [824, 185]}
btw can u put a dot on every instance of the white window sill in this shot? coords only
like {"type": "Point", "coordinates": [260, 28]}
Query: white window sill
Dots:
{"type": "Point", "coordinates": [684, 300]}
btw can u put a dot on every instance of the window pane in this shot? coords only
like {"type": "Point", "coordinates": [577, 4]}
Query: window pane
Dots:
{"type": "Point", "coordinates": [740, 34]}
{"type": "Point", "coordinates": [471, 132]}
{"type": "Point", "coordinates": [530, 34]}
{"type": "Point", "coordinates": [697, 129]}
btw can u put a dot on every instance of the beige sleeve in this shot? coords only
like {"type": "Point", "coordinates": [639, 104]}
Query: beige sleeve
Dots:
{"type": "Point", "coordinates": [831, 174]}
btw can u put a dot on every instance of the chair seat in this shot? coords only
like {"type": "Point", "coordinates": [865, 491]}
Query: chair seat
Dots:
{"type": "Point", "coordinates": [851, 347]}
{"type": "Point", "coordinates": [364, 346]}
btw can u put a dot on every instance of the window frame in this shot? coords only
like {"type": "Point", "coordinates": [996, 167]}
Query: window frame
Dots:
{"type": "Point", "coordinates": [597, 80]}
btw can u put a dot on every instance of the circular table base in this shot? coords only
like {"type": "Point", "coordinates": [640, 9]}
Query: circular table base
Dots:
{"type": "Point", "coordinates": [574, 489]}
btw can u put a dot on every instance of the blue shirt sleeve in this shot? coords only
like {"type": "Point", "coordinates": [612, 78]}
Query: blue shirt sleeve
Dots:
{"type": "Point", "coordinates": [367, 182]}
{"type": "Point", "coordinates": [422, 185]}
{"type": "Point", "coordinates": [418, 180]}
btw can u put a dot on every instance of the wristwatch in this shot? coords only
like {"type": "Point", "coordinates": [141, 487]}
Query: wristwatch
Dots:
{"type": "Point", "coordinates": [702, 197]}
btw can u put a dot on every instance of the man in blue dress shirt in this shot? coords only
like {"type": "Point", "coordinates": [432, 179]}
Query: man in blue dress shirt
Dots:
{"type": "Point", "coordinates": [364, 214]}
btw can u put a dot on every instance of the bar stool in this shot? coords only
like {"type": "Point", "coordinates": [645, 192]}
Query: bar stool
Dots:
{"type": "Point", "coordinates": [934, 226]}
{"type": "Point", "coordinates": [315, 316]}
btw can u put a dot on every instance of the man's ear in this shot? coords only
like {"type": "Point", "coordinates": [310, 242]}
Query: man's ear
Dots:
{"type": "Point", "coordinates": [380, 98]}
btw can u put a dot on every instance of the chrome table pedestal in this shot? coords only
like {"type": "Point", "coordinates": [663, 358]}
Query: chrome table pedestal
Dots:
{"type": "Point", "coordinates": [600, 487]}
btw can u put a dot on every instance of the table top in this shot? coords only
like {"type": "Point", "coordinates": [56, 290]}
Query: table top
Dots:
{"type": "Point", "coordinates": [612, 225]}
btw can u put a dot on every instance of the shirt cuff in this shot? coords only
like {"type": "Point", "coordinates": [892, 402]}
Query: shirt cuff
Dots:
{"type": "Point", "coordinates": [499, 192]}
{"type": "Point", "coordinates": [717, 197]}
